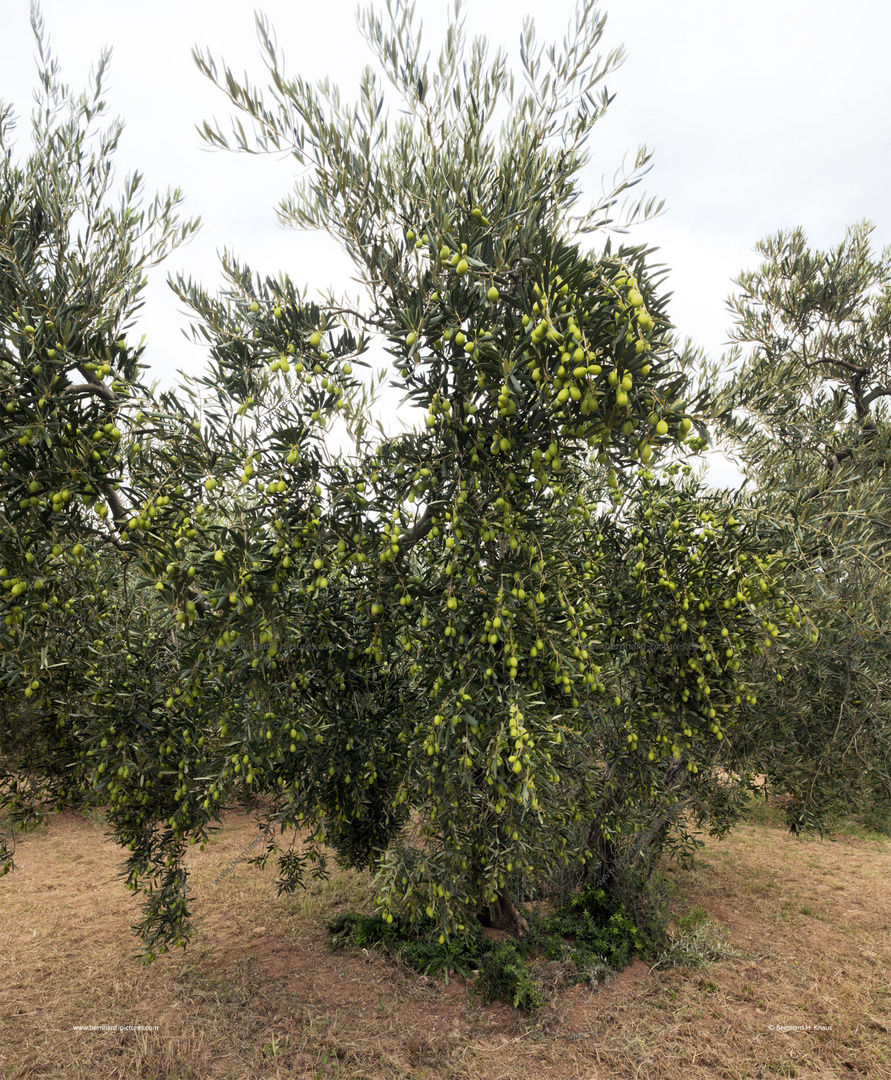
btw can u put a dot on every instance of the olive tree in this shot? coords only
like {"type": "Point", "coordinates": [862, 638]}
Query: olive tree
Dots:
{"type": "Point", "coordinates": [808, 415]}
{"type": "Point", "coordinates": [494, 648]}
{"type": "Point", "coordinates": [73, 255]}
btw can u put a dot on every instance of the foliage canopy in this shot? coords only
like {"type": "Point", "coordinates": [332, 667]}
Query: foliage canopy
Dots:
{"type": "Point", "coordinates": [809, 416]}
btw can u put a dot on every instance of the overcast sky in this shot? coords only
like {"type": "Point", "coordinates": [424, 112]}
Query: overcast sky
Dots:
{"type": "Point", "coordinates": [763, 115]}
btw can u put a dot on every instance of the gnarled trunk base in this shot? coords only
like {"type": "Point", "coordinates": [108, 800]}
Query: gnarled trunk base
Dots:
{"type": "Point", "coordinates": [504, 915]}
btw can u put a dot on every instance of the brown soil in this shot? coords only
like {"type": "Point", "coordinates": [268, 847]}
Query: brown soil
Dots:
{"type": "Point", "coordinates": [258, 996]}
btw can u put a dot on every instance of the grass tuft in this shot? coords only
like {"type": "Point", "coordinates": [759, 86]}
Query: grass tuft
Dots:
{"type": "Point", "coordinates": [696, 943]}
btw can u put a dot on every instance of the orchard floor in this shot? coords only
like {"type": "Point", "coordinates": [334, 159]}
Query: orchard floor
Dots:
{"type": "Point", "coordinates": [258, 996]}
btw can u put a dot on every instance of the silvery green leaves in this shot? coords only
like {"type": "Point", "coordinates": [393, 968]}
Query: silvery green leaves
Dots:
{"type": "Point", "coordinates": [807, 411]}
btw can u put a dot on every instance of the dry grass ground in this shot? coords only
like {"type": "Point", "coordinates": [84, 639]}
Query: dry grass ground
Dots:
{"type": "Point", "coordinates": [257, 995]}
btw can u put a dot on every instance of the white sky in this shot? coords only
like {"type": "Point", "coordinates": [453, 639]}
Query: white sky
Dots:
{"type": "Point", "coordinates": [762, 115]}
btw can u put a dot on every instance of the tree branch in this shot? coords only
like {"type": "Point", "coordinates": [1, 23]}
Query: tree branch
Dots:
{"type": "Point", "coordinates": [98, 388]}
{"type": "Point", "coordinates": [880, 391]}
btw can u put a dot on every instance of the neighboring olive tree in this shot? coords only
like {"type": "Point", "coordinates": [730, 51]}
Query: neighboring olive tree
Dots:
{"type": "Point", "coordinates": [492, 650]}
{"type": "Point", "coordinates": [809, 417]}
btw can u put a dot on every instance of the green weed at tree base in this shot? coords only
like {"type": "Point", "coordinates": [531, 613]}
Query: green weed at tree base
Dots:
{"type": "Point", "coordinates": [587, 931]}
{"type": "Point", "coordinates": [504, 974]}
